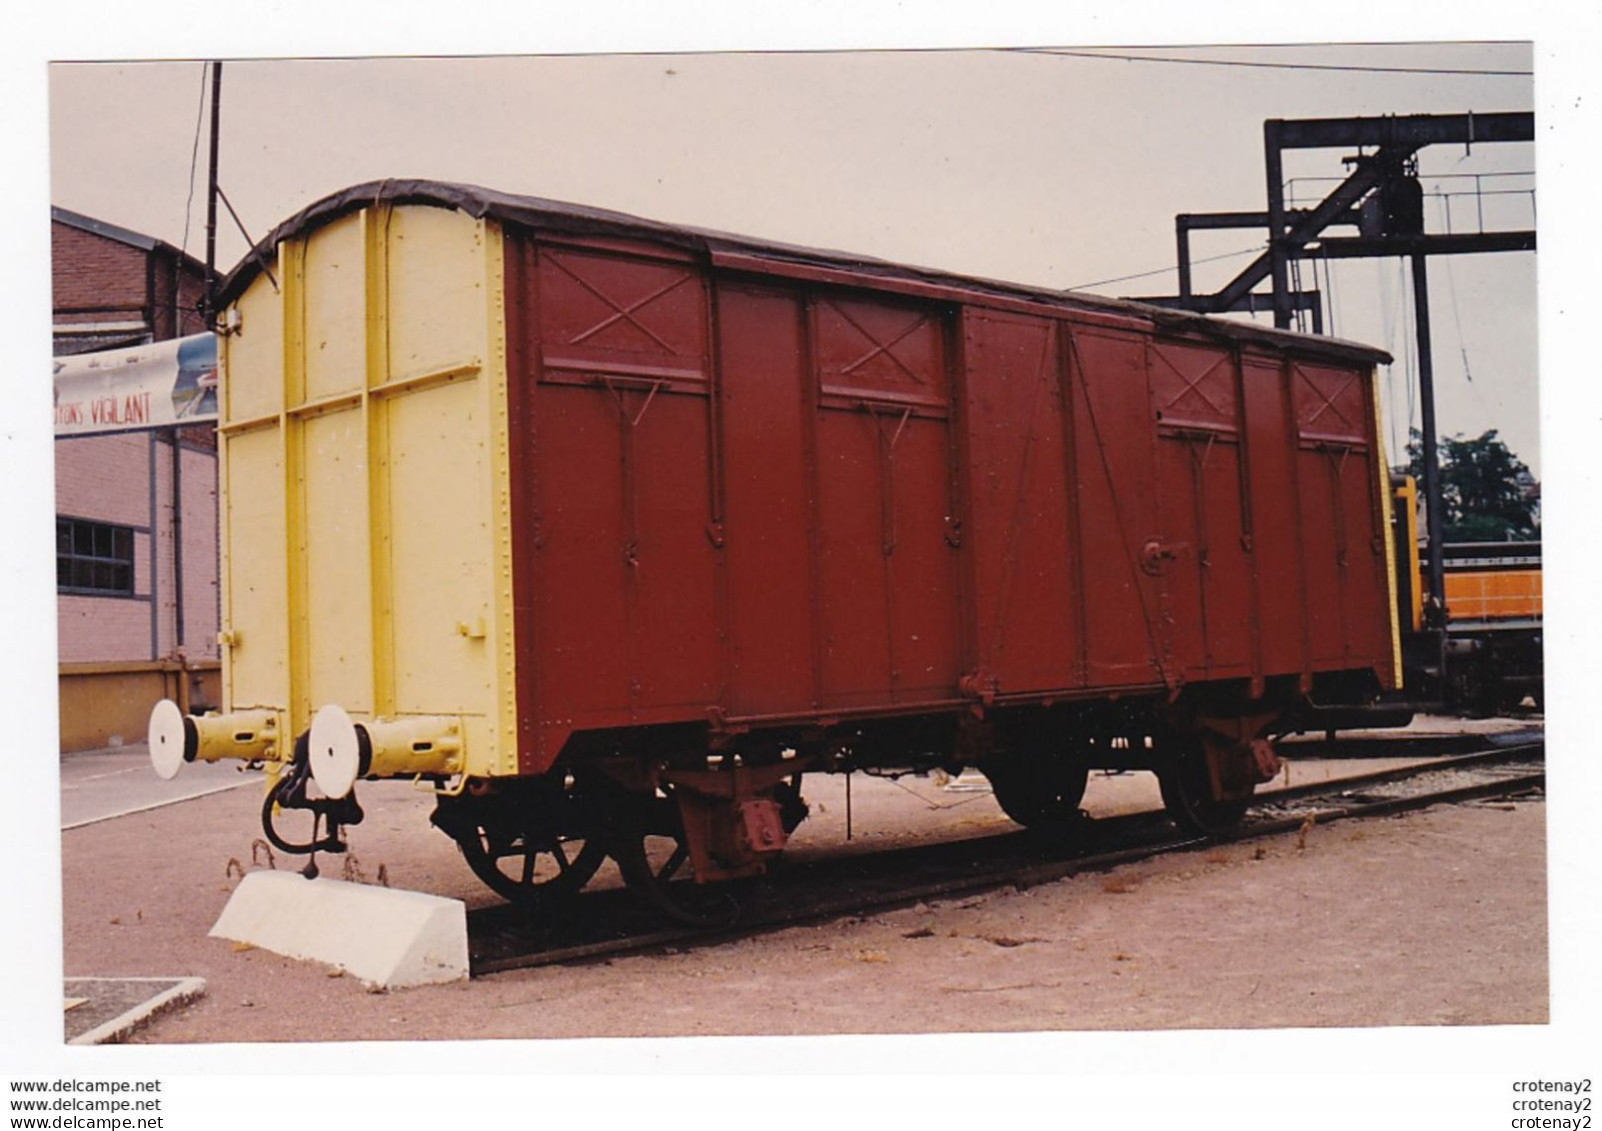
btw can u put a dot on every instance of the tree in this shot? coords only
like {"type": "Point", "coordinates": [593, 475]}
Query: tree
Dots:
{"type": "Point", "coordinates": [1487, 494]}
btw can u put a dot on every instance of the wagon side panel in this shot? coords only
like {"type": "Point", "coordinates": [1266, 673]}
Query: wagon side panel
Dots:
{"type": "Point", "coordinates": [1113, 468]}
{"type": "Point", "coordinates": [616, 492]}
{"type": "Point", "coordinates": [1338, 478]}
{"type": "Point", "coordinates": [768, 411]}
{"type": "Point", "coordinates": [887, 574]}
{"type": "Point", "coordinates": [1195, 404]}
{"type": "Point", "coordinates": [1028, 603]}
{"type": "Point", "coordinates": [679, 660]}
{"type": "Point", "coordinates": [1276, 517]}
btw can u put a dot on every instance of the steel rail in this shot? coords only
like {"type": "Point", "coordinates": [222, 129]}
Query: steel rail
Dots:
{"type": "Point", "coordinates": [1522, 751]}
{"type": "Point", "coordinates": [1030, 874]}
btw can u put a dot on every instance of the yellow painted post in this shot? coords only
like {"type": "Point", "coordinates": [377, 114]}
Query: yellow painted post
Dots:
{"type": "Point", "coordinates": [1382, 472]}
{"type": "Point", "coordinates": [290, 447]}
{"type": "Point", "coordinates": [225, 590]}
{"type": "Point", "coordinates": [375, 417]}
{"type": "Point", "coordinates": [1414, 565]}
{"type": "Point", "coordinates": [495, 384]}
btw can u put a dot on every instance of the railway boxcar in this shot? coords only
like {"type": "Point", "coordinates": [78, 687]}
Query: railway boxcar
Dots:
{"type": "Point", "coordinates": [610, 529]}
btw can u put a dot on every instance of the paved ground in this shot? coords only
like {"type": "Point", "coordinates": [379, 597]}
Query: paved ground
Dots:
{"type": "Point", "coordinates": [100, 784]}
{"type": "Point", "coordinates": [108, 1010]}
{"type": "Point", "coordinates": [1436, 918]}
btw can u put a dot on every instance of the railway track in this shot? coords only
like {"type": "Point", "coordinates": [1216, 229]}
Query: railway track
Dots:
{"type": "Point", "coordinates": [610, 922]}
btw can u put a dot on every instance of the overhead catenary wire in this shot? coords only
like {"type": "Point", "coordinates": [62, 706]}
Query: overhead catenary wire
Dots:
{"type": "Point", "coordinates": [1367, 69]}
{"type": "Point", "coordinates": [1457, 326]}
{"type": "Point", "coordinates": [1457, 317]}
{"type": "Point", "coordinates": [1258, 249]}
{"type": "Point", "coordinates": [194, 159]}
{"type": "Point", "coordinates": [1394, 313]}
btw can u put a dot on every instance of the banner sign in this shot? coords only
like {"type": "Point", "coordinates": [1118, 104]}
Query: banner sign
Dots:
{"type": "Point", "coordinates": [153, 386]}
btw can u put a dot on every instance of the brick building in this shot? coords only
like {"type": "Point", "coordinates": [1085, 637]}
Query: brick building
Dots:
{"type": "Point", "coordinates": [136, 511]}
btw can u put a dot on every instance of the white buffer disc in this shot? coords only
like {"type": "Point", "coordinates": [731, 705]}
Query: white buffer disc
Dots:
{"type": "Point", "coordinates": [166, 738]}
{"type": "Point", "coordinates": [335, 752]}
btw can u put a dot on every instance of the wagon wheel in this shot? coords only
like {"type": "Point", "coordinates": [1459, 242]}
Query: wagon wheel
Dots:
{"type": "Point", "coordinates": [1187, 792]}
{"type": "Point", "coordinates": [530, 869]}
{"type": "Point", "coordinates": [654, 858]}
{"type": "Point", "coordinates": [1041, 793]}
{"type": "Point", "coordinates": [529, 847]}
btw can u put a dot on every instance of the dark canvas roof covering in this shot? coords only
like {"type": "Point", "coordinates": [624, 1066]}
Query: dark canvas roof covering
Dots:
{"type": "Point", "coordinates": [576, 219]}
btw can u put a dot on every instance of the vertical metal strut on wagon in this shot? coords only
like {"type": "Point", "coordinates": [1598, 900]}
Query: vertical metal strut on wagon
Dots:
{"type": "Point", "coordinates": [610, 530]}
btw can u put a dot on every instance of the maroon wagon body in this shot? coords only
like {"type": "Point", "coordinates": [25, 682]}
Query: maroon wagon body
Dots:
{"type": "Point", "coordinates": [758, 486]}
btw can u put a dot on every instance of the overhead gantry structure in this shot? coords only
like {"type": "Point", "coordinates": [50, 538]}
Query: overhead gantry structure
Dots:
{"type": "Point", "coordinates": [1380, 197]}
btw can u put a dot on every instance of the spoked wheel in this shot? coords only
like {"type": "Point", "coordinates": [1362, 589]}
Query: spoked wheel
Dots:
{"type": "Point", "coordinates": [1187, 791]}
{"type": "Point", "coordinates": [526, 846]}
{"type": "Point", "coordinates": [654, 857]}
{"type": "Point", "coordinates": [1041, 793]}
{"type": "Point", "coordinates": [528, 868]}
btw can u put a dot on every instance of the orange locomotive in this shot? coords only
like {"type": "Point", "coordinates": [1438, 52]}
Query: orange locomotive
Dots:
{"type": "Point", "coordinates": [1488, 658]}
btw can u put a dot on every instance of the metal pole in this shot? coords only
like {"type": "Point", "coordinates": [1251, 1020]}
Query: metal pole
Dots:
{"type": "Point", "coordinates": [848, 803]}
{"type": "Point", "coordinates": [1182, 246]}
{"type": "Point", "coordinates": [177, 543]}
{"type": "Point", "coordinates": [1275, 173]}
{"type": "Point", "coordinates": [209, 301]}
{"type": "Point", "coordinates": [154, 542]}
{"type": "Point", "coordinates": [1435, 613]}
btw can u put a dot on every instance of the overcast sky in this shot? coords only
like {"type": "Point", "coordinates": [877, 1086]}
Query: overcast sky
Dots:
{"type": "Point", "coordinates": [1059, 171]}
{"type": "Point", "coordinates": [1051, 169]}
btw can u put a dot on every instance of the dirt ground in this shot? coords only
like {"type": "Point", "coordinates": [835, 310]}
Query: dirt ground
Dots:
{"type": "Point", "coordinates": [1435, 918]}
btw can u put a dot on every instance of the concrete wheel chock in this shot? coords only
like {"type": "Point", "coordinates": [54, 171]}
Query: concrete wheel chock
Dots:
{"type": "Point", "coordinates": [385, 937]}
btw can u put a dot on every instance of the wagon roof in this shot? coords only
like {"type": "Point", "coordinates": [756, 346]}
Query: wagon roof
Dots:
{"type": "Point", "coordinates": [577, 219]}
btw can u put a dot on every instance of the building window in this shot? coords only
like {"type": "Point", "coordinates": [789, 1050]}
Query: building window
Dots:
{"type": "Point", "coordinates": [94, 557]}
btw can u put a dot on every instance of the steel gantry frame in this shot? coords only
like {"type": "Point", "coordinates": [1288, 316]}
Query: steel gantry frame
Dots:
{"type": "Point", "coordinates": [1298, 233]}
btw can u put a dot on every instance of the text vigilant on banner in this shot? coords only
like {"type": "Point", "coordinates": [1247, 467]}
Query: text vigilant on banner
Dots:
{"type": "Point", "coordinates": [151, 386]}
